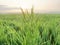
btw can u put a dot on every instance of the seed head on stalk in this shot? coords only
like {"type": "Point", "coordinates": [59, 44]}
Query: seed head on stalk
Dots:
{"type": "Point", "coordinates": [32, 10]}
{"type": "Point", "coordinates": [22, 12]}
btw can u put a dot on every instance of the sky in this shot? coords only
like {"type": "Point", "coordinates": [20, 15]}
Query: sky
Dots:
{"type": "Point", "coordinates": [39, 5]}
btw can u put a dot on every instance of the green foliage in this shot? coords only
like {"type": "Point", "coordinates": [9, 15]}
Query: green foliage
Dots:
{"type": "Point", "coordinates": [30, 29]}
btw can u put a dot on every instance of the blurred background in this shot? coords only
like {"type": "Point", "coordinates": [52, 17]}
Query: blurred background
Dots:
{"type": "Point", "coordinates": [40, 6]}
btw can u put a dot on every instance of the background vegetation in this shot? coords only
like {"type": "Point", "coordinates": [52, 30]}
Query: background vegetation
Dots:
{"type": "Point", "coordinates": [32, 29]}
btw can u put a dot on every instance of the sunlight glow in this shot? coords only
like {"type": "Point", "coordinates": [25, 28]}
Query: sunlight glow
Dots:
{"type": "Point", "coordinates": [39, 5]}
{"type": "Point", "coordinates": [25, 4]}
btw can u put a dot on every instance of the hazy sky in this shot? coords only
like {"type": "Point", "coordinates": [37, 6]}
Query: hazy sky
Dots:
{"type": "Point", "coordinates": [39, 5]}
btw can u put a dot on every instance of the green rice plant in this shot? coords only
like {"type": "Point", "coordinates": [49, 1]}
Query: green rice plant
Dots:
{"type": "Point", "coordinates": [29, 29]}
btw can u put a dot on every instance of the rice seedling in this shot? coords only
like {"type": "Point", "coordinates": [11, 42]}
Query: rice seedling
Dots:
{"type": "Point", "coordinates": [29, 29]}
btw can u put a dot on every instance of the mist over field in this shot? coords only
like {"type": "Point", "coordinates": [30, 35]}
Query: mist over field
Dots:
{"type": "Point", "coordinates": [40, 6]}
{"type": "Point", "coordinates": [6, 9]}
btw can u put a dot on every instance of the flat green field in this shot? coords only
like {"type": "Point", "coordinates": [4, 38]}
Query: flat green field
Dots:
{"type": "Point", "coordinates": [37, 29]}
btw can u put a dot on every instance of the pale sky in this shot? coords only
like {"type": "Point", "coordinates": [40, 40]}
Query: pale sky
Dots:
{"type": "Point", "coordinates": [39, 5]}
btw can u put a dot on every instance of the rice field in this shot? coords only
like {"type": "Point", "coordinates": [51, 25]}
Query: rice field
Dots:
{"type": "Point", "coordinates": [32, 29]}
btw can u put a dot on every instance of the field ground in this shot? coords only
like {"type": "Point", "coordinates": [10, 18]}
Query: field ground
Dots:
{"type": "Point", "coordinates": [37, 29]}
